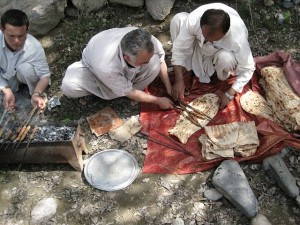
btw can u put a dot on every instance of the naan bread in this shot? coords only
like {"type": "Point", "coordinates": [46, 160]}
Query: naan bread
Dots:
{"type": "Point", "coordinates": [280, 96]}
{"type": "Point", "coordinates": [247, 141]}
{"type": "Point", "coordinates": [254, 103]}
{"type": "Point", "coordinates": [184, 128]}
{"type": "Point", "coordinates": [227, 140]}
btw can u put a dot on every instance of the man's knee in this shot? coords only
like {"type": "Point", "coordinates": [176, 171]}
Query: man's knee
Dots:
{"type": "Point", "coordinates": [25, 70]}
{"type": "Point", "coordinates": [225, 60]}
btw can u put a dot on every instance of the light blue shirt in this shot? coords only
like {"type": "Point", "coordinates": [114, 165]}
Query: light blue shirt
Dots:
{"type": "Point", "coordinates": [32, 53]}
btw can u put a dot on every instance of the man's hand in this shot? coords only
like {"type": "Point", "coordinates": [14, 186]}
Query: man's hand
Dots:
{"type": "Point", "coordinates": [178, 90]}
{"type": "Point", "coordinates": [164, 103]}
{"type": "Point", "coordinates": [9, 101]}
{"type": "Point", "coordinates": [224, 101]}
{"type": "Point", "coordinates": [38, 101]}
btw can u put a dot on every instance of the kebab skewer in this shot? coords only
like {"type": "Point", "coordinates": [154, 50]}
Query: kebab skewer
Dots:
{"type": "Point", "coordinates": [31, 137]}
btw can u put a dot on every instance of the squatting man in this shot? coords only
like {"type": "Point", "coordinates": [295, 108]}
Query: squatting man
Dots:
{"type": "Point", "coordinates": [212, 39]}
{"type": "Point", "coordinates": [22, 61]}
{"type": "Point", "coordinates": [119, 62]}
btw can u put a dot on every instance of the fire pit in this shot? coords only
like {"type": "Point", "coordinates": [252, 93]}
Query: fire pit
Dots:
{"type": "Point", "coordinates": [46, 144]}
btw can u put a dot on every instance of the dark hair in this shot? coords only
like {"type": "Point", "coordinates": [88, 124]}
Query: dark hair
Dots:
{"type": "Point", "coordinates": [135, 41]}
{"type": "Point", "coordinates": [15, 18]}
{"type": "Point", "coordinates": [216, 19]}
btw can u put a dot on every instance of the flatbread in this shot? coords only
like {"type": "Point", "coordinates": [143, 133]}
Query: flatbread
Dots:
{"type": "Point", "coordinates": [254, 103]}
{"type": "Point", "coordinates": [184, 127]}
{"type": "Point", "coordinates": [104, 121]}
{"type": "Point", "coordinates": [280, 96]}
{"type": "Point", "coordinates": [224, 135]}
{"type": "Point", "coordinates": [228, 140]}
{"type": "Point", "coordinates": [127, 130]}
{"type": "Point", "coordinates": [247, 141]}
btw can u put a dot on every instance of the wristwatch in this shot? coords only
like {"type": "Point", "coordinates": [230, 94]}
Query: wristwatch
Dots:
{"type": "Point", "coordinates": [230, 97]}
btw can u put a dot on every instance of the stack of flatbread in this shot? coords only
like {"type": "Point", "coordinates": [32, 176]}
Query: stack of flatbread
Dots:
{"type": "Point", "coordinates": [254, 103]}
{"type": "Point", "coordinates": [281, 97]}
{"type": "Point", "coordinates": [228, 140]}
{"type": "Point", "coordinates": [184, 127]}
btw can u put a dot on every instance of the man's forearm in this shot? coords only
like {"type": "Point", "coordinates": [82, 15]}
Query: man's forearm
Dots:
{"type": "Point", "coordinates": [164, 76]}
{"type": "Point", "coordinates": [41, 85]}
{"type": "Point", "coordinates": [141, 96]}
{"type": "Point", "coordinates": [178, 71]}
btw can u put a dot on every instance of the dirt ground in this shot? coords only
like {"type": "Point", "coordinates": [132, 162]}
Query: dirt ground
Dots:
{"type": "Point", "coordinates": [152, 198]}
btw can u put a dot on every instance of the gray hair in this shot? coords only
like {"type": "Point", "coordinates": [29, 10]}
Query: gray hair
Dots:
{"type": "Point", "coordinates": [135, 41]}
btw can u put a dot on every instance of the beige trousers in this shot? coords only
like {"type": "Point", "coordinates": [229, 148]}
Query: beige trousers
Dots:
{"type": "Point", "coordinates": [79, 81]}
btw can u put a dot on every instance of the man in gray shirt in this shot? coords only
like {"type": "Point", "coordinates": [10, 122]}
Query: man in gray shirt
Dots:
{"type": "Point", "coordinates": [22, 60]}
{"type": "Point", "coordinates": [119, 62]}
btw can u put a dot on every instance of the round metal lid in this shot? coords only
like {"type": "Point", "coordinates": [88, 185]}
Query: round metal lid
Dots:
{"type": "Point", "coordinates": [111, 170]}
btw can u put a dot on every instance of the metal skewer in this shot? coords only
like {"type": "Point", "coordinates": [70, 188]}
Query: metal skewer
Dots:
{"type": "Point", "coordinates": [3, 115]}
{"type": "Point", "coordinates": [193, 108]}
{"type": "Point", "coordinates": [31, 137]}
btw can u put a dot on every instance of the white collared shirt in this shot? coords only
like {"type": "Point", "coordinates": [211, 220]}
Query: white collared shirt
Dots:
{"type": "Point", "coordinates": [235, 41]}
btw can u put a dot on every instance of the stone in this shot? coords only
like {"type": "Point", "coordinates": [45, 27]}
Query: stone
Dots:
{"type": "Point", "coordinates": [298, 200]}
{"type": "Point", "coordinates": [230, 180]}
{"type": "Point", "coordinates": [212, 194]}
{"type": "Point", "coordinates": [43, 15]}
{"type": "Point", "coordinates": [260, 219]}
{"type": "Point", "coordinates": [276, 168]}
{"type": "Point", "coordinates": [131, 3]}
{"type": "Point", "coordinates": [268, 2]}
{"type": "Point", "coordinates": [159, 9]}
{"type": "Point", "coordinates": [88, 5]}
{"type": "Point", "coordinates": [43, 211]}
{"type": "Point", "coordinates": [287, 4]}
{"type": "Point", "coordinates": [296, 2]}
{"type": "Point", "coordinates": [178, 221]}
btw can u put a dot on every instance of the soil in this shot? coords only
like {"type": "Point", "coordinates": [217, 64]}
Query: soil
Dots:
{"type": "Point", "coordinates": [151, 198]}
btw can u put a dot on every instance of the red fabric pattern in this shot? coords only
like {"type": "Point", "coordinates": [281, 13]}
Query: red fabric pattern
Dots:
{"type": "Point", "coordinates": [163, 160]}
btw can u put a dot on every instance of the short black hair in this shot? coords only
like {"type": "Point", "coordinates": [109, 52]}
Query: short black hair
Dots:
{"type": "Point", "coordinates": [216, 19]}
{"type": "Point", "coordinates": [15, 18]}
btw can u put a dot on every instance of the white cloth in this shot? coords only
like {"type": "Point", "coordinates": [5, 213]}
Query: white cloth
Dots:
{"type": "Point", "coordinates": [232, 52]}
{"type": "Point", "coordinates": [103, 70]}
{"type": "Point", "coordinates": [28, 64]}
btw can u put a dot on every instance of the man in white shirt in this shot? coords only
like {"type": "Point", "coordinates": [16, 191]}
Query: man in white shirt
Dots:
{"type": "Point", "coordinates": [119, 62]}
{"type": "Point", "coordinates": [22, 60]}
{"type": "Point", "coordinates": [212, 39]}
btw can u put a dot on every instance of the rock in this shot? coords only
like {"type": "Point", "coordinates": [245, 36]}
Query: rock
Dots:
{"type": "Point", "coordinates": [178, 221]}
{"type": "Point", "coordinates": [131, 3]}
{"type": "Point", "coordinates": [88, 5]}
{"type": "Point", "coordinates": [296, 2]}
{"type": "Point", "coordinates": [260, 220]}
{"type": "Point", "coordinates": [230, 180]}
{"type": "Point", "coordinates": [159, 9]}
{"type": "Point", "coordinates": [298, 200]}
{"type": "Point", "coordinates": [212, 194]}
{"type": "Point", "coordinates": [71, 11]}
{"type": "Point", "coordinates": [287, 4]}
{"type": "Point", "coordinates": [276, 168]}
{"type": "Point", "coordinates": [43, 15]}
{"type": "Point", "coordinates": [43, 211]}
{"type": "Point", "coordinates": [268, 2]}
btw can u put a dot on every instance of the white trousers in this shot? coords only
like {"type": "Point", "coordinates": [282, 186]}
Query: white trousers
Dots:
{"type": "Point", "coordinates": [205, 60]}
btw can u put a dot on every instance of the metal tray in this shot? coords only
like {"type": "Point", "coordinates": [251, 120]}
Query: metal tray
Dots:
{"type": "Point", "coordinates": [111, 170]}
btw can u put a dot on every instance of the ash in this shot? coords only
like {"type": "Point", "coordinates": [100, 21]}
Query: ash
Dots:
{"type": "Point", "coordinates": [55, 133]}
